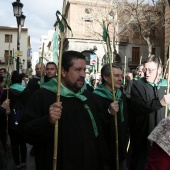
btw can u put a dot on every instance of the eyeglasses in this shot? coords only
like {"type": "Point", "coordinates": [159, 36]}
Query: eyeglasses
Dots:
{"type": "Point", "coordinates": [149, 70]}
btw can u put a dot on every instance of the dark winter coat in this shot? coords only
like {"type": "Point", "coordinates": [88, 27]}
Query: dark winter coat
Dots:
{"type": "Point", "coordinates": [147, 111]}
{"type": "Point", "coordinates": [108, 126]}
{"type": "Point", "coordinates": [78, 148]}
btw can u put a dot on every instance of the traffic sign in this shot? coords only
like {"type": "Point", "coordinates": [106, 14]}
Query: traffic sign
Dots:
{"type": "Point", "coordinates": [93, 62]}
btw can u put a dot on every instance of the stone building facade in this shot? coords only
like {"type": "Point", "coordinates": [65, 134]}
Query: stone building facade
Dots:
{"type": "Point", "coordinates": [84, 17]}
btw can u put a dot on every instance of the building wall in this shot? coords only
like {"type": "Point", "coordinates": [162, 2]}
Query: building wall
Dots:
{"type": "Point", "coordinates": [167, 29]}
{"type": "Point", "coordinates": [76, 16]}
{"type": "Point", "coordinates": [13, 46]}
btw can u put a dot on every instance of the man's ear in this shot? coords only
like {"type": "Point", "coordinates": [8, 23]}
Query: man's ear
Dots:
{"type": "Point", "coordinates": [105, 78]}
{"type": "Point", "coordinates": [63, 72]}
{"type": "Point", "coordinates": [160, 69]}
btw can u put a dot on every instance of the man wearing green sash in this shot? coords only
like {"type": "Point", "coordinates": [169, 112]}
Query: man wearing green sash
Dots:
{"type": "Point", "coordinates": [80, 144]}
{"type": "Point", "coordinates": [108, 108]}
{"type": "Point", "coordinates": [148, 98]}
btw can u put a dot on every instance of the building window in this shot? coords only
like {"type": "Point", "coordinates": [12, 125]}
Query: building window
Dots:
{"type": "Point", "coordinates": [8, 38]}
{"type": "Point", "coordinates": [153, 51]}
{"type": "Point", "coordinates": [6, 55]}
{"type": "Point", "coordinates": [135, 55]}
{"type": "Point", "coordinates": [88, 27]}
{"type": "Point", "coordinates": [136, 35]}
{"type": "Point", "coordinates": [88, 10]}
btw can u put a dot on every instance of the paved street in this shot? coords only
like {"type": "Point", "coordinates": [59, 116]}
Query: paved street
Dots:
{"type": "Point", "coordinates": [30, 161]}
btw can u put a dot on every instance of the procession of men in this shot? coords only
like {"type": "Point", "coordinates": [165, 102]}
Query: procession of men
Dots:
{"type": "Point", "coordinates": [88, 137]}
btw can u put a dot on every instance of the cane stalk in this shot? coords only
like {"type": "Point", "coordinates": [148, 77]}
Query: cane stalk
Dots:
{"type": "Point", "coordinates": [124, 72]}
{"type": "Point", "coordinates": [167, 63]}
{"type": "Point", "coordinates": [42, 66]}
{"type": "Point", "coordinates": [7, 87]}
{"type": "Point", "coordinates": [140, 60]}
{"type": "Point", "coordinates": [113, 93]}
{"type": "Point", "coordinates": [166, 108]}
{"type": "Point", "coordinates": [62, 35]}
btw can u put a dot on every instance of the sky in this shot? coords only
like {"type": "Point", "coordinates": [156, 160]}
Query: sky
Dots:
{"type": "Point", "coordinates": [40, 17]}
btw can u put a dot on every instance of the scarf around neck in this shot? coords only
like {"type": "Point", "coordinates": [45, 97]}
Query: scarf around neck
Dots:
{"type": "Point", "coordinates": [17, 87]}
{"type": "Point", "coordinates": [65, 92]}
{"type": "Point", "coordinates": [102, 91]}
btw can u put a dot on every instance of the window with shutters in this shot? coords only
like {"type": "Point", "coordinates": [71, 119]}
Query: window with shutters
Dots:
{"type": "Point", "coordinates": [8, 38]}
{"type": "Point", "coordinates": [135, 55]}
{"type": "Point", "coordinates": [88, 27]}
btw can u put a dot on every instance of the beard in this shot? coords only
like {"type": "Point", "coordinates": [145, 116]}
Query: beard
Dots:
{"type": "Point", "coordinates": [75, 87]}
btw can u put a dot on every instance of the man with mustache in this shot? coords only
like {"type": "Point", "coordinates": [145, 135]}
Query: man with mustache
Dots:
{"type": "Point", "coordinates": [80, 144]}
{"type": "Point", "coordinates": [148, 98]}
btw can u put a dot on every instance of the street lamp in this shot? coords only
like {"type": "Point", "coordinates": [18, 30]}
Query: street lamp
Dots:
{"type": "Point", "coordinates": [17, 9]}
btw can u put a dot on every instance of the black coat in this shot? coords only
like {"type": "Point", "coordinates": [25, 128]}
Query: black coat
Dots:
{"type": "Point", "coordinates": [147, 111]}
{"type": "Point", "coordinates": [108, 126]}
{"type": "Point", "coordinates": [78, 148]}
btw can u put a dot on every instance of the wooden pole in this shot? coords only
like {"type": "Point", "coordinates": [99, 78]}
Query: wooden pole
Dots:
{"type": "Point", "coordinates": [124, 72]}
{"type": "Point", "coordinates": [13, 60]}
{"type": "Point", "coordinates": [140, 60]}
{"type": "Point", "coordinates": [166, 108]}
{"type": "Point", "coordinates": [42, 66]}
{"type": "Point", "coordinates": [114, 98]}
{"type": "Point", "coordinates": [7, 80]}
{"type": "Point", "coordinates": [62, 35]}
{"type": "Point", "coordinates": [167, 63]}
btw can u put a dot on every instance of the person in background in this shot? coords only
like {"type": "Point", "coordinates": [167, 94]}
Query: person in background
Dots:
{"type": "Point", "coordinates": [4, 110]}
{"type": "Point", "coordinates": [33, 84]}
{"type": "Point", "coordinates": [2, 84]}
{"type": "Point", "coordinates": [16, 94]}
{"type": "Point", "coordinates": [3, 116]}
{"type": "Point", "coordinates": [50, 71]}
{"type": "Point", "coordinates": [139, 75]}
{"type": "Point", "coordinates": [104, 98]}
{"type": "Point", "coordinates": [3, 72]}
{"type": "Point", "coordinates": [24, 79]}
{"type": "Point", "coordinates": [88, 83]}
{"type": "Point", "coordinates": [147, 100]}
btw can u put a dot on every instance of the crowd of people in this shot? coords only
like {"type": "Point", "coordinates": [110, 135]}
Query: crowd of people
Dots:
{"type": "Point", "coordinates": [103, 123]}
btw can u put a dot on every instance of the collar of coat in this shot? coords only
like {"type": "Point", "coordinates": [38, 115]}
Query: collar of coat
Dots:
{"type": "Point", "coordinates": [162, 82]}
{"type": "Point", "coordinates": [52, 86]}
{"type": "Point", "coordinates": [102, 91]}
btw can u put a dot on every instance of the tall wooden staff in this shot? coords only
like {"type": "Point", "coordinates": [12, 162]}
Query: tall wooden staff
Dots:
{"type": "Point", "coordinates": [166, 108]}
{"type": "Point", "coordinates": [107, 40]}
{"type": "Point", "coordinates": [124, 72]}
{"type": "Point", "coordinates": [42, 66]}
{"type": "Point", "coordinates": [167, 63]}
{"type": "Point", "coordinates": [7, 87]}
{"type": "Point", "coordinates": [62, 33]}
{"type": "Point", "coordinates": [140, 60]}
{"type": "Point", "coordinates": [13, 59]}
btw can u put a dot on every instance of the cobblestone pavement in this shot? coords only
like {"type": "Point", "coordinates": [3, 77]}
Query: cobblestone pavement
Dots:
{"type": "Point", "coordinates": [30, 161]}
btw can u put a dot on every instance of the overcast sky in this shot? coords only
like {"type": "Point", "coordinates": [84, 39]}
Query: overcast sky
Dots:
{"type": "Point", "coordinates": [40, 17]}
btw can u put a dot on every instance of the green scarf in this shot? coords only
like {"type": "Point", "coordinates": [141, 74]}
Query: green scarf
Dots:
{"type": "Point", "coordinates": [161, 83]}
{"type": "Point", "coordinates": [40, 81]}
{"type": "Point", "coordinates": [102, 91]}
{"type": "Point", "coordinates": [52, 86]}
{"type": "Point", "coordinates": [17, 87]}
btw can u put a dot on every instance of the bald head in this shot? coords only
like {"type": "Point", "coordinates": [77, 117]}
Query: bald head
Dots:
{"type": "Point", "coordinates": [38, 69]}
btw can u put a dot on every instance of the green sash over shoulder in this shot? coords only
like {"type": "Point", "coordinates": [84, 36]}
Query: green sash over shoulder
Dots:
{"type": "Point", "coordinates": [52, 86]}
{"type": "Point", "coordinates": [17, 87]}
{"type": "Point", "coordinates": [162, 83]}
{"type": "Point", "coordinates": [102, 91]}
